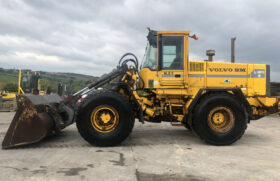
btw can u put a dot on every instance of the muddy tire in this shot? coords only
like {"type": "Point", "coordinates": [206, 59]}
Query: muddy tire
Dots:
{"type": "Point", "coordinates": [220, 119]}
{"type": "Point", "coordinates": [105, 119]}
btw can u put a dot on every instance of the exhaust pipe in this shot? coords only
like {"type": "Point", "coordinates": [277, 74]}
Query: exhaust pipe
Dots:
{"type": "Point", "coordinates": [210, 54]}
{"type": "Point", "coordinates": [233, 49]}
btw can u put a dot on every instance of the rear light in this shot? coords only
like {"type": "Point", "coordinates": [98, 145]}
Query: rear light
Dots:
{"type": "Point", "coordinates": [82, 98]}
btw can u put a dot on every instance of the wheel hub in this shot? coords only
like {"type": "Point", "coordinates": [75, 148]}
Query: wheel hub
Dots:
{"type": "Point", "coordinates": [104, 118]}
{"type": "Point", "coordinates": [221, 119]}
{"type": "Point", "coordinates": [218, 118]}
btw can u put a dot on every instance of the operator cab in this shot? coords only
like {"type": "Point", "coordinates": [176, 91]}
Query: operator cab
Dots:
{"type": "Point", "coordinates": [29, 82]}
{"type": "Point", "coordinates": [172, 52]}
{"type": "Point", "coordinates": [166, 58]}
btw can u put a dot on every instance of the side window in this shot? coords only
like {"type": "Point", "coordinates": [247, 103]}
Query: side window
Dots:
{"type": "Point", "coordinates": [173, 52]}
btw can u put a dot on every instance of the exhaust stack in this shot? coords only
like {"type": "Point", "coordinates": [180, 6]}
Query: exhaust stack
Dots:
{"type": "Point", "coordinates": [233, 49]}
{"type": "Point", "coordinates": [210, 54]}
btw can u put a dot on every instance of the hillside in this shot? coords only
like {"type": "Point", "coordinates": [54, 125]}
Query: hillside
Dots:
{"type": "Point", "coordinates": [48, 79]}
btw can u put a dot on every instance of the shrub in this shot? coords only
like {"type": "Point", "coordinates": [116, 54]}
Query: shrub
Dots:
{"type": "Point", "coordinates": [10, 87]}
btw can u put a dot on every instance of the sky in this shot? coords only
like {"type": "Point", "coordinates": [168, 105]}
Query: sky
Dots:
{"type": "Point", "coordinates": [89, 36]}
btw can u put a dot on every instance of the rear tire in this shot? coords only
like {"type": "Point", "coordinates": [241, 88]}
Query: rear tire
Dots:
{"type": "Point", "coordinates": [106, 119]}
{"type": "Point", "coordinates": [220, 119]}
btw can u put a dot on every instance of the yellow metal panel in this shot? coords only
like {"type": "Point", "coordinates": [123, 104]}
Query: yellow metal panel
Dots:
{"type": "Point", "coordinates": [8, 95]}
{"type": "Point", "coordinates": [186, 60]}
{"type": "Point", "coordinates": [259, 77]}
{"type": "Point", "coordinates": [251, 81]}
{"type": "Point", "coordinates": [146, 74]}
{"type": "Point", "coordinates": [174, 32]}
{"type": "Point", "coordinates": [171, 91]}
{"type": "Point", "coordinates": [263, 101]}
{"type": "Point", "coordinates": [19, 82]}
{"type": "Point", "coordinates": [197, 74]}
{"type": "Point", "coordinates": [227, 75]}
{"type": "Point", "coordinates": [171, 77]}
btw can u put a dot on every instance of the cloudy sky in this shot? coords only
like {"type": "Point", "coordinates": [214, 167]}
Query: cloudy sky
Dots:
{"type": "Point", "coordinates": [89, 36]}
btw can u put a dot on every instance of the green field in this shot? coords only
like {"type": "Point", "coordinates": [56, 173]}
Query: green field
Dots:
{"type": "Point", "coordinates": [47, 79]}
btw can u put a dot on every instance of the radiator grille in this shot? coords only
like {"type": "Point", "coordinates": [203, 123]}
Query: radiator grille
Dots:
{"type": "Point", "coordinates": [196, 67]}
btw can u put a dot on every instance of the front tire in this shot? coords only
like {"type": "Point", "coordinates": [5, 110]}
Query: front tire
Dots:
{"type": "Point", "coordinates": [220, 119]}
{"type": "Point", "coordinates": [106, 118]}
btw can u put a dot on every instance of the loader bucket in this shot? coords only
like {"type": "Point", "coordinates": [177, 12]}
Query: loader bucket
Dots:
{"type": "Point", "coordinates": [32, 121]}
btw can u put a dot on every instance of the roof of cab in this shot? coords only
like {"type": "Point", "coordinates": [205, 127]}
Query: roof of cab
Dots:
{"type": "Point", "coordinates": [173, 32]}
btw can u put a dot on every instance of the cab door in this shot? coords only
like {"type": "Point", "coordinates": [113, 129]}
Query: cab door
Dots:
{"type": "Point", "coordinates": [171, 60]}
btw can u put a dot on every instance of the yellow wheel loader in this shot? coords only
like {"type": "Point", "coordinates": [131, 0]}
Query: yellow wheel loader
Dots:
{"type": "Point", "coordinates": [216, 100]}
{"type": "Point", "coordinates": [28, 82]}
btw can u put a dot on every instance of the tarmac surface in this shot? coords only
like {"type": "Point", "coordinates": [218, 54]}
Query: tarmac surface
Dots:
{"type": "Point", "coordinates": [153, 151]}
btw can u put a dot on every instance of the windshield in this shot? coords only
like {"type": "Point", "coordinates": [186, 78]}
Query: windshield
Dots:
{"type": "Point", "coordinates": [25, 83]}
{"type": "Point", "coordinates": [29, 82]}
{"type": "Point", "coordinates": [150, 59]}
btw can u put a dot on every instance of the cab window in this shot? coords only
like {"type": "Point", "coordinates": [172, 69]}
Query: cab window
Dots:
{"type": "Point", "coordinates": [150, 58]}
{"type": "Point", "coordinates": [172, 52]}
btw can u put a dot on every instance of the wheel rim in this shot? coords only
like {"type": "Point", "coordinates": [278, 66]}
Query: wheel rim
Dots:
{"type": "Point", "coordinates": [221, 119]}
{"type": "Point", "coordinates": [104, 118]}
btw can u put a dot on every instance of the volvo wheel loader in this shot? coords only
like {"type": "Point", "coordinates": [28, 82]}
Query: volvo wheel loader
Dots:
{"type": "Point", "coordinates": [216, 100]}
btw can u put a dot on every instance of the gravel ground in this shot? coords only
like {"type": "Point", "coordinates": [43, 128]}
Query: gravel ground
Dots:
{"type": "Point", "coordinates": [152, 152]}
